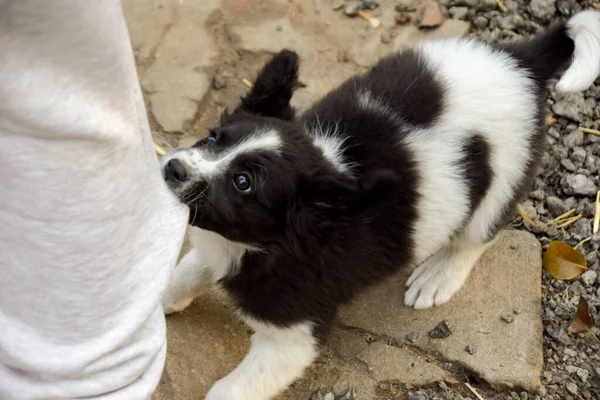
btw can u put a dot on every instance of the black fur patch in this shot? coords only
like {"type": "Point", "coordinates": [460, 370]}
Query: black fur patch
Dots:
{"type": "Point", "coordinates": [477, 169]}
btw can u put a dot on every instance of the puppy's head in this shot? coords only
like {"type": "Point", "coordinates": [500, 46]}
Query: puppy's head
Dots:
{"type": "Point", "coordinates": [258, 178]}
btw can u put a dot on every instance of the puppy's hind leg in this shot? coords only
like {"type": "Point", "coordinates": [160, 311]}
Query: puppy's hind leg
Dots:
{"type": "Point", "coordinates": [442, 275]}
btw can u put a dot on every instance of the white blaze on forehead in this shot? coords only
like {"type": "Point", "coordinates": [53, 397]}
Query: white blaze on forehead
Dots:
{"type": "Point", "coordinates": [201, 162]}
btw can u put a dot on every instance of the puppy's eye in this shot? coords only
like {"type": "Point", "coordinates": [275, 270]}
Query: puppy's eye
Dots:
{"type": "Point", "coordinates": [242, 182]}
{"type": "Point", "coordinates": [212, 137]}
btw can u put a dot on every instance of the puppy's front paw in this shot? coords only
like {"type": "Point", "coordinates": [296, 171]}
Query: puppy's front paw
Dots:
{"type": "Point", "coordinates": [173, 302]}
{"type": "Point", "coordinates": [224, 390]}
{"type": "Point", "coordinates": [433, 283]}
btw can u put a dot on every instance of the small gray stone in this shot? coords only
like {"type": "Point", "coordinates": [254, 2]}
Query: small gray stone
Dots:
{"type": "Point", "coordinates": [510, 22]}
{"type": "Point", "coordinates": [219, 82]}
{"type": "Point", "coordinates": [487, 5]}
{"type": "Point", "coordinates": [458, 12]}
{"type": "Point", "coordinates": [470, 349]}
{"type": "Point", "coordinates": [441, 331]}
{"type": "Point", "coordinates": [337, 4]}
{"type": "Point", "coordinates": [508, 318]}
{"type": "Point", "coordinates": [568, 165]}
{"type": "Point", "coordinates": [329, 396]}
{"type": "Point", "coordinates": [386, 37]}
{"type": "Point", "coordinates": [588, 277]}
{"type": "Point", "coordinates": [543, 10]}
{"type": "Point", "coordinates": [569, 105]}
{"type": "Point", "coordinates": [351, 10]}
{"type": "Point", "coordinates": [572, 388]}
{"type": "Point", "coordinates": [578, 184]}
{"type": "Point", "coordinates": [411, 337]}
{"type": "Point", "coordinates": [574, 138]}
{"type": "Point", "coordinates": [570, 353]}
{"type": "Point", "coordinates": [579, 155]}
{"type": "Point", "coordinates": [480, 22]}
{"type": "Point", "coordinates": [583, 374]}
{"type": "Point", "coordinates": [555, 205]}
{"type": "Point", "coordinates": [370, 4]}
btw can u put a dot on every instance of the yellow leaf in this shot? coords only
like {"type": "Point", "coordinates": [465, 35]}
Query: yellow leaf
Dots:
{"type": "Point", "coordinates": [563, 262]}
{"type": "Point", "coordinates": [582, 322]}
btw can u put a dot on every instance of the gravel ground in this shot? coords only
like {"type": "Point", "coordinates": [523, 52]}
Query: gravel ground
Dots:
{"type": "Point", "coordinates": [568, 180]}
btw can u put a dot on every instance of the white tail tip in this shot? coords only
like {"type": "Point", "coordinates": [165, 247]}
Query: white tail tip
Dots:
{"type": "Point", "coordinates": [584, 29]}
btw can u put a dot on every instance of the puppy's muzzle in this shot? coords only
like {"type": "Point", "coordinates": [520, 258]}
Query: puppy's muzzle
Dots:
{"type": "Point", "coordinates": [175, 172]}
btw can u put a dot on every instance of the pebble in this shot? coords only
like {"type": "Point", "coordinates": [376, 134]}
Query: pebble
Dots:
{"type": "Point", "coordinates": [470, 349]}
{"type": "Point", "coordinates": [441, 331]}
{"type": "Point", "coordinates": [458, 12]}
{"type": "Point", "coordinates": [578, 184]}
{"type": "Point", "coordinates": [219, 82]}
{"type": "Point", "coordinates": [568, 165]}
{"type": "Point", "coordinates": [351, 10]}
{"type": "Point", "coordinates": [487, 5]}
{"type": "Point", "coordinates": [480, 22]}
{"type": "Point", "coordinates": [572, 388]}
{"type": "Point", "coordinates": [579, 155]}
{"type": "Point", "coordinates": [411, 337]}
{"type": "Point", "coordinates": [588, 277]}
{"type": "Point", "coordinates": [570, 353]}
{"type": "Point", "coordinates": [510, 22]}
{"type": "Point", "coordinates": [543, 10]}
{"type": "Point", "coordinates": [405, 8]}
{"type": "Point", "coordinates": [573, 139]}
{"type": "Point", "coordinates": [508, 318]}
{"type": "Point", "coordinates": [369, 4]}
{"type": "Point", "coordinates": [402, 18]}
{"type": "Point", "coordinates": [337, 4]}
{"type": "Point", "coordinates": [569, 106]}
{"type": "Point", "coordinates": [386, 37]}
{"type": "Point", "coordinates": [555, 205]}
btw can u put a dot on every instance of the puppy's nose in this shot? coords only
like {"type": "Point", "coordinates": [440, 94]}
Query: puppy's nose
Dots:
{"type": "Point", "coordinates": [174, 171]}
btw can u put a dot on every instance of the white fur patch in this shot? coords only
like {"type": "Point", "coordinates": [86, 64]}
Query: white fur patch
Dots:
{"type": "Point", "coordinates": [201, 163]}
{"type": "Point", "coordinates": [584, 29]}
{"type": "Point", "coordinates": [367, 102]}
{"type": "Point", "coordinates": [331, 143]}
{"type": "Point", "coordinates": [211, 258]}
{"type": "Point", "coordinates": [277, 357]}
{"type": "Point", "coordinates": [482, 87]}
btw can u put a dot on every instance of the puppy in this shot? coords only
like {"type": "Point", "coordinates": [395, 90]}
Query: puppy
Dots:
{"type": "Point", "coordinates": [420, 161]}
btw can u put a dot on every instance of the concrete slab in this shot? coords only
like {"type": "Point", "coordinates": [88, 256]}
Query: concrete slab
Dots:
{"type": "Point", "coordinates": [173, 50]}
{"type": "Point", "coordinates": [506, 282]}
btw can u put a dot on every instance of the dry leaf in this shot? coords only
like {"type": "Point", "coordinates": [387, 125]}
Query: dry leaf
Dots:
{"type": "Point", "coordinates": [433, 15]}
{"type": "Point", "coordinates": [550, 120]}
{"type": "Point", "coordinates": [563, 262]}
{"type": "Point", "coordinates": [583, 320]}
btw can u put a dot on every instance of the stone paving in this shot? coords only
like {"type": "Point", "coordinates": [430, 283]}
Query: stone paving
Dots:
{"type": "Point", "coordinates": [379, 346]}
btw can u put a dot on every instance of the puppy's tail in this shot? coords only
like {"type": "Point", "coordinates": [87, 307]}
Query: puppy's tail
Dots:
{"type": "Point", "coordinates": [572, 47]}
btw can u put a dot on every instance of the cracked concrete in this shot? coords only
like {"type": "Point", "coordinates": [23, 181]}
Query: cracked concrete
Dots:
{"type": "Point", "coordinates": [179, 46]}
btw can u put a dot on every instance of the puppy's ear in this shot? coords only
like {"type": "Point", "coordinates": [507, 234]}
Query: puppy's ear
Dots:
{"type": "Point", "coordinates": [271, 94]}
{"type": "Point", "coordinates": [345, 196]}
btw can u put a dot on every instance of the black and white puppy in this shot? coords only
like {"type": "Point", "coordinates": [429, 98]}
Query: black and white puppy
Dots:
{"type": "Point", "coordinates": [420, 161]}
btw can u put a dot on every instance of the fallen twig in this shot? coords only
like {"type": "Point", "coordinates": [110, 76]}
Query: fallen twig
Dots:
{"type": "Point", "coordinates": [472, 389]}
{"type": "Point", "coordinates": [159, 150]}
{"type": "Point", "coordinates": [375, 23]}
{"type": "Point", "coordinates": [569, 221]}
{"type": "Point", "coordinates": [526, 217]}
{"type": "Point", "coordinates": [582, 242]}
{"type": "Point", "coordinates": [501, 6]}
{"type": "Point", "coordinates": [589, 130]}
